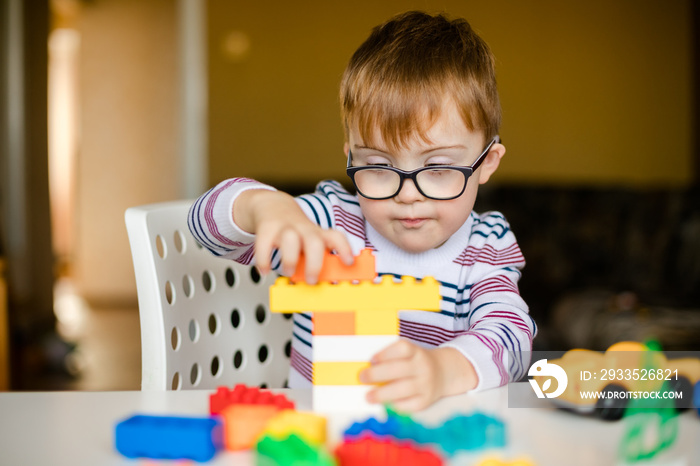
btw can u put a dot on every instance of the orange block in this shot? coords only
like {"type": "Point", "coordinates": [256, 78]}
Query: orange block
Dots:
{"type": "Point", "coordinates": [334, 323]}
{"type": "Point", "coordinates": [333, 269]}
{"type": "Point", "coordinates": [243, 424]}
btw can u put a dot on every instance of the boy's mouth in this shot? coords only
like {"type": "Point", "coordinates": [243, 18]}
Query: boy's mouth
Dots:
{"type": "Point", "coordinates": [412, 222]}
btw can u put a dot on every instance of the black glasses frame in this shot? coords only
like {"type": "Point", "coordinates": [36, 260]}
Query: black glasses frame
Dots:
{"type": "Point", "coordinates": [412, 175]}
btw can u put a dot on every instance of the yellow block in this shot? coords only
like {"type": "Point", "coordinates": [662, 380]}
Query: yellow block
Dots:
{"type": "Point", "coordinates": [376, 323]}
{"type": "Point", "coordinates": [338, 372]}
{"type": "Point", "coordinates": [309, 426]}
{"type": "Point", "coordinates": [386, 296]}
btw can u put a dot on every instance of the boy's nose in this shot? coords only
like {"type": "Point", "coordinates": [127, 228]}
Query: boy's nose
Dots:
{"type": "Point", "coordinates": [409, 193]}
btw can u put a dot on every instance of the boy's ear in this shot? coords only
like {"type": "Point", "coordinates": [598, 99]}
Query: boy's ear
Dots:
{"type": "Point", "coordinates": [491, 162]}
{"type": "Point", "coordinates": [346, 148]}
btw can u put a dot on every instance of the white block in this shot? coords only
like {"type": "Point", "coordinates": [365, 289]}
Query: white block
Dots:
{"type": "Point", "coordinates": [349, 347]}
{"type": "Point", "coordinates": [344, 398]}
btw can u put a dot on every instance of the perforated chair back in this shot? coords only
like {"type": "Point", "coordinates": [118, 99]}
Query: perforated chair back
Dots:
{"type": "Point", "coordinates": [205, 321]}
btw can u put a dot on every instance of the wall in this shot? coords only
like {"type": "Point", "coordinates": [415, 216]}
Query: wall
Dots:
{"type": "Point", "coordinates": [593, 93]}
{"type": "Point", "coordinates": [128, 155]}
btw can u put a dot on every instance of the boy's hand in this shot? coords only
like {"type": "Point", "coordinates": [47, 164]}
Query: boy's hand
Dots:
{"type": "Point", "coordinates": [412, 378]}
{"type": "Point", "coordinates": [279, 223]}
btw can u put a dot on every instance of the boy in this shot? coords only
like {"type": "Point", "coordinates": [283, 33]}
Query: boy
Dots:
{"type": "Point", "coordinates": [421, 114]}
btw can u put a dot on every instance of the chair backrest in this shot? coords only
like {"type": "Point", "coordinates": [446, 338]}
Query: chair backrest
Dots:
{"type": "Point", "coordinates": [205, 321]}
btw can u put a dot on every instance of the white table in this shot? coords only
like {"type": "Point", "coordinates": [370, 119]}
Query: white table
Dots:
{"type": "Point", "coordinates": [77, 428]}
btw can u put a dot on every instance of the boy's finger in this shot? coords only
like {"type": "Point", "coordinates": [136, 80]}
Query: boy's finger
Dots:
{"type": "Point", "coordinates": [314, 250]}
{"type": "Point", "coordinates": [335, 240]}
{"type": "Point", "coordinates": [386, 372]}
{"type": "Point", "coordinates": [392, 392]}
{"type": "Point", "coordinates": [411, 404]}
{"type": "Point", "coordinates": [290, 248]}
{"type": "Point", "coordinates": [400, 349]}
{"type": "Point", "coordinates": [263, 252]}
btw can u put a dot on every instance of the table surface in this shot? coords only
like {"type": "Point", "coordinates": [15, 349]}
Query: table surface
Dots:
{"type": "Point", "coordinates": [77, 428]}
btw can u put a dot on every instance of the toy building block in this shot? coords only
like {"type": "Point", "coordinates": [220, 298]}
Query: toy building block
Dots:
{"type": "Point", "coordinates": [499, 462]}
{"type": "Point", "coordinates": [350, 347]}
{"type": "Point", "coordinates": [168, 437]}
{"type": "Point", "coordinates": [243, 424]}
{"type": "Point", "coordinates": [338, 372]}
{"type": "Point", "coordinates": [365, 296]}
{"type": "Point", "coordinates": [389, 428]}
{"type": "Point", "coordinates": [290, 451]}
{"type": "Point", "coordinates": [338, 398]}
{"type": "Point", "coordinates": [696, 396]}
{"type": "Point", "coordinates": [242, 394]}
{"type": "Point", "coordinates": [475, 432]}
{"type": "Point", "coordinates": [368, 451]}
{"type": "Point", "coordinates": [333, 269]}
{"type": "Point", "coordinates": [376, 305]}
{"type": "Point", "coordinates": [309, 426]}
{"type": "Point", "coordinates": [334, 323]}
{"type": "Point", "coordinates": [392, 427]}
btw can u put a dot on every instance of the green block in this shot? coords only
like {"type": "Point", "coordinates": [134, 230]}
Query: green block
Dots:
{"type": "Point", "coordinates": [649, 418]}
{"type": "Point", "coordinates": [290, 451]}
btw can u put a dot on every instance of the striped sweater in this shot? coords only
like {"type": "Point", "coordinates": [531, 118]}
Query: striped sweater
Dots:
{"type": "Point", "coordinates": [481, 314]}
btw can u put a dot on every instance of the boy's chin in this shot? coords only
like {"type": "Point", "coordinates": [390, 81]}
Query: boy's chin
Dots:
{"type": "Point", "coordinates": [417, 247]}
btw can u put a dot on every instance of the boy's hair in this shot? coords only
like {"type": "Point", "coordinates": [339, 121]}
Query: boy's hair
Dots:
{"type": "Point", "coordinates": [399, 78]}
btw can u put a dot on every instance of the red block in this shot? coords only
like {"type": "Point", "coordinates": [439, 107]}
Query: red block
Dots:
{"type": "Point", "coordinates": [370, 451]}
{"type": "Point", "coordinates": [242, 394]}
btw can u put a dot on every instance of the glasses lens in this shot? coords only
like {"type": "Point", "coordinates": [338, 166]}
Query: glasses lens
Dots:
{"type": "Point", "coordinates": [377, 182]}
{"type": "Point", "coordinates": [441, 183]}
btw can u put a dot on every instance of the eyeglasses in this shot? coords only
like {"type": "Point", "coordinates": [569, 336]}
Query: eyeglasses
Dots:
{"type": "Point", "coordinates": [439, 182]}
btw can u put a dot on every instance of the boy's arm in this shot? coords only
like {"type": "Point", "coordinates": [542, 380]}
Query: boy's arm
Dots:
{"type": "Point", "coordinates": [493, 351]}
{"type": "Point", "coordinates": [242, 219]}
{"type": "Point", "coordinates": [497, 346]}
{"type": "Point", "coordinates": [210, 221]}
{"type": "Point", "coordinates": [499, 339]}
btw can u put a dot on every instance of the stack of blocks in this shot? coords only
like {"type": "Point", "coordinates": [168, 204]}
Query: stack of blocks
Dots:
{"type": "Point", "coordinates": [353, 319]}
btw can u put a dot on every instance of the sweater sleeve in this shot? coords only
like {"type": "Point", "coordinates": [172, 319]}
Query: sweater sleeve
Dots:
{"type": "Point", "coordinates": [500, 331]}
{"type": "Point", "coordinates": [210, 220]}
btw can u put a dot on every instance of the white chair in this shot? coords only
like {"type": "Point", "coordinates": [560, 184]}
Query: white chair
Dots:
{"type": "Point", "coordinates": [205, 321]}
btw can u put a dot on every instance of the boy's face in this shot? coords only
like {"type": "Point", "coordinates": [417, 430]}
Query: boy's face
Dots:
{"type": "Point", "coordinates": [410, 220]}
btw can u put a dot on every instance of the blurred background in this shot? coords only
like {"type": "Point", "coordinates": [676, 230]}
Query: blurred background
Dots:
{"type": "Point", "coordinates": [107, 104]}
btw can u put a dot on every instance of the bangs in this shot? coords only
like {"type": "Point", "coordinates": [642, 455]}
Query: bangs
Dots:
{"type": "Point", "coordinates": [400, 112]}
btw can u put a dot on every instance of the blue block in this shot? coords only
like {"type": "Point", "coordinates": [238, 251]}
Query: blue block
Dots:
{"type": "Point", "coordinates": [696, 396]}
{"type": "Point", "coordinates": [168, 437]}
{"type": "Point", "coordinates": [390, 427]}
{"type": "Point", "coordinates": [474, 432]}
